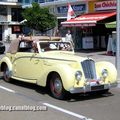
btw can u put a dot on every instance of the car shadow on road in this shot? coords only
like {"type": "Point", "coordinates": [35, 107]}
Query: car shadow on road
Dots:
{"type": "Point", "coordinates": [89, 96]}
{"type": "Point", "coordinates": [39, 89]}
{"type": "Point", "coordinates": [69, 98]}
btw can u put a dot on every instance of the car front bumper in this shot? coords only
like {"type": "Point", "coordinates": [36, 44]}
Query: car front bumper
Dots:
{"type": "Point", "coordinates": [89, 88]}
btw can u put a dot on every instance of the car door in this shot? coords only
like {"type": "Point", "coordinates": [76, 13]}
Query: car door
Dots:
{"type": "Point", "coordinates": [27, 65]}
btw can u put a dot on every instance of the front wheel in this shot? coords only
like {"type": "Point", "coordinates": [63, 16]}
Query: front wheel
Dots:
{"type": "Point", "coordinates": [6, 74]}
{"type": "Point", "coordinates": [56, 87]}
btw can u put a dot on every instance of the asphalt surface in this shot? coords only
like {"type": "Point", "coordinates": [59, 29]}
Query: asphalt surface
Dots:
{"type": "Point", "coordinates": [96, 107]}
{"type": "Point", "coordinates": [78, 107]}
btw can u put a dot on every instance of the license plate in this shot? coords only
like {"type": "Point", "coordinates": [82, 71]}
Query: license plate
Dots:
{"type": "Point", "coordinates": [100, 87]}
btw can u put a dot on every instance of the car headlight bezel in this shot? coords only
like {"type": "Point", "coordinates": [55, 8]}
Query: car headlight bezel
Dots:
{"type": "Point", "coordinates": [78, 75]}
{"type": "Point", "coordinates": [104, 73]}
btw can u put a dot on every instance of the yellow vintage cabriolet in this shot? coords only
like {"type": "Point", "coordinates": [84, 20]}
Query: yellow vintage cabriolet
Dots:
{"type": "Point", "coordinates": [47, 61]}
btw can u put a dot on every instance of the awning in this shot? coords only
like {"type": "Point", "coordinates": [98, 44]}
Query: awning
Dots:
{"type": "Point", "coordinates": [111, 25]}
{"type": "Point", "coordinates": [88, 19]}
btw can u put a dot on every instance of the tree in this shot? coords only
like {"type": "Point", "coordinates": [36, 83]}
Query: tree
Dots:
{"type": "Point", "coordinates": [39, 18]}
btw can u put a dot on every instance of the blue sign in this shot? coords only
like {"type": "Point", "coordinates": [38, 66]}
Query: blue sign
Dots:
{"type": "Point", "coordinates": [76, 8]}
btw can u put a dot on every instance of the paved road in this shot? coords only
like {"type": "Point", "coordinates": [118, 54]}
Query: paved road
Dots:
{"type": "Point", "coordinates": [96, 107]}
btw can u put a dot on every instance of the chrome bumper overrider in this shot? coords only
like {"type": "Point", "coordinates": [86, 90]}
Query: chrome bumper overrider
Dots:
{"type": "Point", "coordinates": [89, 88]}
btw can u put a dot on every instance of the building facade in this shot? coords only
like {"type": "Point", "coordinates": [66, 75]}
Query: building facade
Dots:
{"type": "Point", "coordinates": [90, 31]}
{"type": "Point", "coordinates": [10, 13]}
{"type": "Point", "coordinates": [85, 37]}
{"type": "Point", "coordinates": [59, 8]}
{"type": "Point", "coordinates": [9, 18]}
{"type": "Point", "coordinates": [92, 37]}
{"type": "Point", "coordinates": [100, 33]}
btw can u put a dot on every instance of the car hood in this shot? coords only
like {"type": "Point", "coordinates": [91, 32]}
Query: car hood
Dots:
{"type": "Point", "coordinates": [63, 56]}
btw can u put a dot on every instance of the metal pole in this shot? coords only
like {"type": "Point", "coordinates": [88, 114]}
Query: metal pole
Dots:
{"type": "Point", "coordinates": [118, 39]}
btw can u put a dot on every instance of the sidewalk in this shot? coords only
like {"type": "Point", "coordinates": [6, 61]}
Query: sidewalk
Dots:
{"type": "Point", "coordinates": [98, 56]}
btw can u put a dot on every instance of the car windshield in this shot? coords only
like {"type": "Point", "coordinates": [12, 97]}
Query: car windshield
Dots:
{"type": "Point", "coordinates": [52, 46]}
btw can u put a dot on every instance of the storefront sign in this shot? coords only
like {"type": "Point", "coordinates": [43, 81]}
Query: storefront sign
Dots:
{"type": "Point", "coordinates": [79, 25]}
{"type": "Point", "coordinates": [105, 5]}
{"type": "Point", "coordinates": [76, 8]}
{"type": "Point", "coordinates": [90, 18]}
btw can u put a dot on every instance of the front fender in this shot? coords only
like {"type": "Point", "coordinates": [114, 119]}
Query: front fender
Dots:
{"type": "Point", "coordinates": [112, 72]}
{"type": "Point", "coordinates": [65, 71]}
{"type": "Point", "coordinates": [5, 60]}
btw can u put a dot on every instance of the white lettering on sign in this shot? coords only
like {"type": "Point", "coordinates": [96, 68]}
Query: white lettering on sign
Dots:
{"type": "Point", "coordinates": [91, 18]}
{"type": "Point", "coordinates": [105, 5]}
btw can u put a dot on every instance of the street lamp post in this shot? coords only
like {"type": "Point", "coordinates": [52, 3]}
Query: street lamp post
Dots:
{"type": "Point", "coordinates": [118, 39]}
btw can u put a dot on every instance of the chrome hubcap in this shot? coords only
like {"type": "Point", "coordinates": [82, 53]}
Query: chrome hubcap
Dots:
{"type": "Point", "coordinates": [58, 86]}
{"type": "Point", "coordinates": [6, 73]}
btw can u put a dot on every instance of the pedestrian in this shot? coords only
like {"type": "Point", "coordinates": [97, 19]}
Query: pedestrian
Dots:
{"type": "Point", "coordinates": [113, 43]}
{"type": "Point", "coordinates": [68, 37]}
{"type": "Point", "coordinates": [34, 47]}
{"type": "Point", "coordinates": [21, 36]}
{"type": "Point", "coordinates": [57, 34]}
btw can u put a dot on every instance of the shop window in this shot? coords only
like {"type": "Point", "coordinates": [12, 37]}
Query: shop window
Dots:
{"type": "Point", "coordinates": [20, 1]}
{"type": "Point", "coordinates": [49, 0]}
{"type": "Point", "coordinates": [17, 14]}
{"type": "Point", "coordinates": [3, 10]}
{"type": "Point", "coordinates": [30, 1]}
{"type": "Point", "coordinates": [16, 29]}
{"type": "Point", "coordinates": [87, 31]}
{"type": "Point", "coordinates": [41, 1]}
{"type": "Point", "coordinates": [35, 0]}
{"type": "Point", "coordinates": [26, 1]}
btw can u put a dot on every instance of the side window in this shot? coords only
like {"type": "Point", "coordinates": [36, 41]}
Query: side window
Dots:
{"type": "Point", "coordinates": [22, 44]}
{"type": "Point", "coordinates": [25, 46]}
{"type": "Point", "coordinates": [34, 47]}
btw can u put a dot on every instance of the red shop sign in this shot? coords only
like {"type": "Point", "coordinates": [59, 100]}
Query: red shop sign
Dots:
{"type": "Point", "coordinates": [105, 5]}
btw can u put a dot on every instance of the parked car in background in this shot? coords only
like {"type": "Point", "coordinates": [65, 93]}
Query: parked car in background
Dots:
{"type": "Point", "coordinates": [49, 62]}
{"type": "Point", "coordinates": [2, 47]}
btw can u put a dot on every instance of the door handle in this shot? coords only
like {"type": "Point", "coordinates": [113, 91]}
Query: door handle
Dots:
{"type": "Point", "coordinates": [37, 61]}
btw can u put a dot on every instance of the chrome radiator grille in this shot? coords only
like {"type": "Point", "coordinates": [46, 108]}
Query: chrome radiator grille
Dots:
{"type": "Point", "coordinates": [89, 69]}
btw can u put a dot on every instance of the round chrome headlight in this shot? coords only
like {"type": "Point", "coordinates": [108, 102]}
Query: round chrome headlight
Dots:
{"type": "Point", "coordinates": [104, 73]}
{"type": "Point", "coordinates": [78, 75]}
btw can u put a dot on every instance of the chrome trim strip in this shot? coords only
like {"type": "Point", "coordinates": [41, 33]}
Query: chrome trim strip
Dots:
{"type": "Point", "coordinates": [26, 79]}
{"type": "Point", "coordinates": [87, 88]}
{"type": "Point", "coordinates": [89, 69]}
{"type": "Point", "coordinates": [43, 58]}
